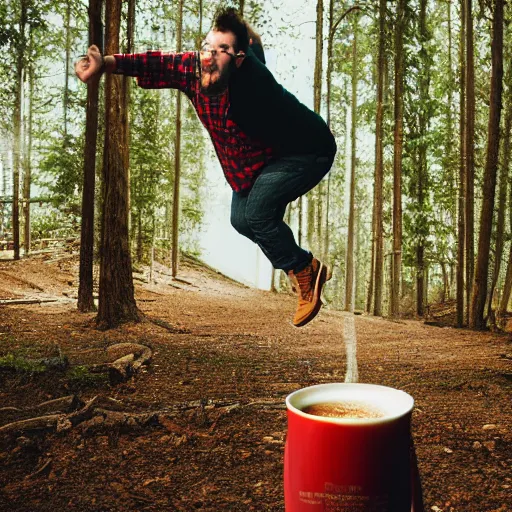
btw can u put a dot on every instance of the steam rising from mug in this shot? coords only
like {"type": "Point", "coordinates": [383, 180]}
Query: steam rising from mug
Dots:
{"type": "Point", "coordinates": [349, 338]}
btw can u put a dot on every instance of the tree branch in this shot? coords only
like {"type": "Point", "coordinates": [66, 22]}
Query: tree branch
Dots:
{"type": "Point", "coordinates": [341, 18]}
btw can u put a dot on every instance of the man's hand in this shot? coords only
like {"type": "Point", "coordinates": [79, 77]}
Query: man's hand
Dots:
{"type": "Point", "coordinates": [89, 66]}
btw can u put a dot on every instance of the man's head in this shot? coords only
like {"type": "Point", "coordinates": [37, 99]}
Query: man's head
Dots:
{"type": "Point", "coordinates": [223, 50]}
{"type": "Point", "coordinates": [228, 20]}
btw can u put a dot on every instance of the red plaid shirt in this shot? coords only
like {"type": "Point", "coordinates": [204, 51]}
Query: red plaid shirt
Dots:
{"type": "Point", "coordinates": [242, 157]}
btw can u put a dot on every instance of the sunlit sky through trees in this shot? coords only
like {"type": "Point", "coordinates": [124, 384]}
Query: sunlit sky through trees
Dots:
{"type": "Point", "coordinates": [288, 34]}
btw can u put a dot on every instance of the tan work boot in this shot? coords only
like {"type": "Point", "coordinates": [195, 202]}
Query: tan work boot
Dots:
{"type": "Point", "coordinates": [309, 282]}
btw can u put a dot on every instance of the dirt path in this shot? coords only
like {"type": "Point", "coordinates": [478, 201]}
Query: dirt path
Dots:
{"type": "Point", "coordinates": [226, 365]}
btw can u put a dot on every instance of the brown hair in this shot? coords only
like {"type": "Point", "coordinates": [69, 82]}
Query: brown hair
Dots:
{"type": "Point", "coordinates": [253, 35]}
{"type": "Point", "coordinates": [227, 19]}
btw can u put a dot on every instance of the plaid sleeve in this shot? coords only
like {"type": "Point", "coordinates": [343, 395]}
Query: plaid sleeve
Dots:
{"type": "Point", "coordinates": [159, 70]}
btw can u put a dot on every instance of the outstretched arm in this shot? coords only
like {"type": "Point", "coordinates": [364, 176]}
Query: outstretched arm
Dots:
{"type": "Point", "coordinates": [153, 69]}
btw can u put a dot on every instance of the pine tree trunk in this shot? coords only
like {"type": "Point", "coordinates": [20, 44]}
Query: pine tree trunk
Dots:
{"type": "Point", "coordinates": [3, 161]}
{"type": "Point", "coordinates": [126, 85]}
{"type": "Point", "coordinates": [140, 237]}
{"type": "Point", "coordinates": [86, 281]}
{"type": "Point", "coordinates": [311, 202]}
{"type": "Point", "coordinates": [445, 282]}
{"type": "Point", "coordinates": [425, 296]}
{"type": "Point", "coordinates": [177, 159]}
{"type": "Point", "coordinates": [461, 213]}
{"type": "Point", "coordinates": [116, 301]}
{"type": "Point", "coordinates": [451, 157]}
{"type": "Point", "coordinates": [453, 266]}
{"type": "Point", "coordinates": [65, 101]}
{"type": "Point", "coordinates": [241, 8]}
{"type": "Point", "coordinates": [273, 280]}
{"type": "Point", "coordinates": [313, 196]}
{"type": "Point", "coordinates": [349, 290]}
{"type": "Point", "coordinates": [319, 215]}
{"type": "Point", "coordinates": [283, 281]}
{"type": "Point", "coordinates": [470, 154]}
{"type": "Point", "coordinates": [300, 209]}
{"type": "Point", "coordinates": [332, 30]}
{"type": "Point", "coordinates": [27, 180]}
{"type": "Point", "coordinates": [507, 288]}
{"type": "Point", "coordinates": [359, 265]}
{"type": "Point", "coordinates": [200, 29]}
{"type": "Point", "coordinates": [369, 291]}
{"type": "Point", "coordinates": [16, 161]}
{"type": "Point", "coordinates": [379, 165]}
{"type": "Point", "coordinates": [479, 295]}
{"type": "Point", "coordinates": [422, 157]}
{"type": "Point", "coordinates": [152, 255]}
{"type": "Point", "coordinates": [397, 160]}
{"type": "Point", "coordinates": [330, 44]}
{"type": "Point", "coordinates": [502, 198]}
{"type": "Point", "coordinates": [317, 85]}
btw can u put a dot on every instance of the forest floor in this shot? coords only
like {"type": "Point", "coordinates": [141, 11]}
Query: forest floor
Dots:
{"type": "Point", "coordinates": [224, 358]}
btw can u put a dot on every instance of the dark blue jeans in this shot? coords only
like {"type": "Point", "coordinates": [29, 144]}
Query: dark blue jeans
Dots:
{"type": "Point", "coordinates": [259, 214]}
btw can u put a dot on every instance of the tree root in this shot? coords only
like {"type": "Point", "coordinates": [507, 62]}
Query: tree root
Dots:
{"type": "Point", "coordinates": [103, 415]}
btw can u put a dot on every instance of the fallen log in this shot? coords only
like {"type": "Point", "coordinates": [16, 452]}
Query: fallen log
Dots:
{"type": "Point", "coordinates": [123, 361]}
{"type": "Point", "coordinates": [17, 302]}
{"type": "Point", "coordinates": [124, 367]}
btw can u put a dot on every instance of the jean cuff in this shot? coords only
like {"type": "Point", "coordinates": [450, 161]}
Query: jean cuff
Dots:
{"type": "Point", "coordinates": [303, 264]}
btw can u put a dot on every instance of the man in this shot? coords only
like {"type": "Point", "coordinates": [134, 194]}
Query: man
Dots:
{"type": "Point", "coordinates": [272, 148]}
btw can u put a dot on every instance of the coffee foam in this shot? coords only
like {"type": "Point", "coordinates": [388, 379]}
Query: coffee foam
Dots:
{"type": "Point", "coordinates": [392, 403]}
{"type": "Point", "coordinates": [343, 410]}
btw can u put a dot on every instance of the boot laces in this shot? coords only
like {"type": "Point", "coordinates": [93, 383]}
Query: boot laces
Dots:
{"type": "Point", "coordinates": [305, 280]}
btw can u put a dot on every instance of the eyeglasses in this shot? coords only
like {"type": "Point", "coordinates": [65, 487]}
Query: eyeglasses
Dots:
{"type": "Point", "coordinates": [207, 51]}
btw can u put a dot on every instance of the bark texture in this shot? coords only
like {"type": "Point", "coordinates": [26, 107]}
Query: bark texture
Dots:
{"type": "Point", "coordinates": [85, 287]}
{"type": "Point", "coordinates": [116, 297]}
{"type": "Point", "coordinates": [479, 294]}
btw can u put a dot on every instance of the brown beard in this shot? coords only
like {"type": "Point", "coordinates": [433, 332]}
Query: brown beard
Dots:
{"type": "Point", "coordinates": [218, 86]}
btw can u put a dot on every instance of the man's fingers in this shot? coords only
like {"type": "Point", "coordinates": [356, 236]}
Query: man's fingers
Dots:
{"type": "Point", "coordinates": [89, 64]}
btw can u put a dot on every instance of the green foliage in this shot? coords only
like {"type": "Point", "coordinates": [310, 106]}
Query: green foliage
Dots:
{"type": "Point", "coordinates": [152, 149]}
{"type": "Point", "coordinates": [20, 363]}
{"type": "Point", "coordinates": [80, 377]}
{"type": "Point", "coordinates": [50, 222]}
{"type": "Point", "coordinates": [61, 171]}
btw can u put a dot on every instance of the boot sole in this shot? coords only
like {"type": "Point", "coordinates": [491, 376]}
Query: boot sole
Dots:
{"type": "Point", "coordinates": [323, 276]}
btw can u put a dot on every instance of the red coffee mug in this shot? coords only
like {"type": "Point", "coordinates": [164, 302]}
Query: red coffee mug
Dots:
{"type": "Point", "coordinates": [348, 464]}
